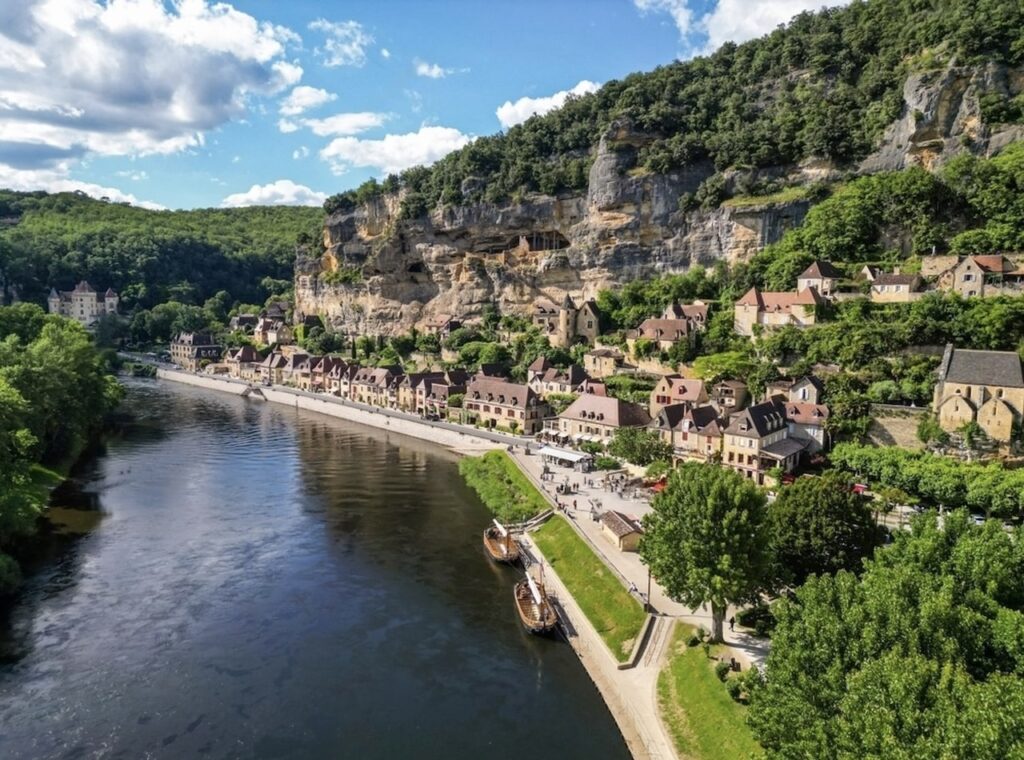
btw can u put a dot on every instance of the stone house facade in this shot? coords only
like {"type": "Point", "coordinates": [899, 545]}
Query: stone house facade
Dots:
{"type": "Point", "coordinates": [984, 387]}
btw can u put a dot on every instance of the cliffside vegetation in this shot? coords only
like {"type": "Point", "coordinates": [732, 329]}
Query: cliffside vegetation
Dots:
{"type": "Point", "coordinates": [824, 86]}
{"type": "Point", "coordinates": [54, 392]}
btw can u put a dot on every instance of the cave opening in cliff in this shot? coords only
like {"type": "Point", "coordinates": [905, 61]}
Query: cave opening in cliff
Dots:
{"type": "Point", "coordinates": [548, 240]}
{"type": "Point", "coordinates": [416, 268]}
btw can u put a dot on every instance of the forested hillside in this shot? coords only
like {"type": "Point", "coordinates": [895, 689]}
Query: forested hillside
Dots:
{"type": "Point", "coordinates": [149, 257]}
{"type": "Point", "coordinates": [825, 86]}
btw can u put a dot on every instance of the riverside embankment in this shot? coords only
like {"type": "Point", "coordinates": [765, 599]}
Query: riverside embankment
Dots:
{"type": "Point", "coordinates": [456, 437]}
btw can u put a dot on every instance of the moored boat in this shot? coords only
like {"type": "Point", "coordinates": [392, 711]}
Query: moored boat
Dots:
{"type": "Point", "coordinates": [536, 612]}
{"type": "Point", "coordinates": [500, 545]}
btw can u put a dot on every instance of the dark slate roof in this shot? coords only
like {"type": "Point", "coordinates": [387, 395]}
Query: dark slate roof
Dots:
{"type": "Point", "coordinates": [758, 420]}
{"type": "Point", "coordinates": [962, 365]}
{"type": "Point", "coordinates": [671, 415]}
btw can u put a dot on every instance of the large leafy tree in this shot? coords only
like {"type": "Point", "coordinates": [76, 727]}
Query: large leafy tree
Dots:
{"type": "Point", "coordinates": [639, 446]}
{"type": "Point", "coordinates": [920, 657]}
{"type": "Point", "coordinates": [705, 540]}
{"type": "Point", "coordinates": [817, 526]}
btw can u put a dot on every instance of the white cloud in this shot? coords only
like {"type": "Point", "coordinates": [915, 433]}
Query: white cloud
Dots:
{"type": "Point", "coordinates": [236, 159]}
{"type": "Point", "coordinates": [385, 53]}
{"type": "Point", "coordinates": [510, 114]}
{"type": "Point", "coordinates": [56, 181]}
{"type": "Point", "coordinates": [345, 124]}
{"type": "Point", "coordinates": [345, 44]}
{"type": "Point", "coordinates": [339, 125]}
{"type": "Point", "coordinates": [133, 175]}
{"type": "Point", "coordinates": [728, 20]}
{"type": "Point", "coordinates": [679, 10]}
{"type": "Point", "coordinates": [433, 70]}
{"type": "Point", "coordinates": [415, 100]}
{"type": "Point", "coordinates": [303, 98]}
{"type": "Point", "coordinates": [742, 20]}
{"type": "Point", "coordinates": [284, 192]}
{"type": "Point", "coordinates": [301, 152]}
{"type": "Point", "coordinates": [393, 153]}
{"type": "Point", "coordinates": [127, 77]}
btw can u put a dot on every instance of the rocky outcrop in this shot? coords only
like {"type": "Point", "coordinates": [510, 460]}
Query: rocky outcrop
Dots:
{"type": "Point", "coordinates": [379, 275]}
{"type": "Point", "coordinates": [942, 118]}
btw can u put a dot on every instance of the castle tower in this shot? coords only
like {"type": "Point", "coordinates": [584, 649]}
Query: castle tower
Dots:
{"type": "Point", "coordinates": [566, 322]}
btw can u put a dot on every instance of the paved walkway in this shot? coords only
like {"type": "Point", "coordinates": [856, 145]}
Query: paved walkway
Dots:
{"type": "Point", "coordinates": [631, 695]}
{"type": "Point", "coordinates": [595, 498]}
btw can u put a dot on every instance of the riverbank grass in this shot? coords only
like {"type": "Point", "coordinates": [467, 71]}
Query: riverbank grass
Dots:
{"type": "Point", "coordinates": [502, 486]}
{"type": "Point", "coordinates": [43, 480]}
{"type": "Point", "coordinates": [703, 720]}
{"type": "Point", "coordinates": [617, 615]}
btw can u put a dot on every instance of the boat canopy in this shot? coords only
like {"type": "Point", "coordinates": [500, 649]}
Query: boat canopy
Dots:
{"type": "Point", "coordinates": [563, 454]}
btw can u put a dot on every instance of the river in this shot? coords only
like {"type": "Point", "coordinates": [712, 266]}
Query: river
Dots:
{"type": "Point", "coordinates": [266, 583]}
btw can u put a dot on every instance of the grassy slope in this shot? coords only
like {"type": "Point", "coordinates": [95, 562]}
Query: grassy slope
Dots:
{"type": "Point", "coordinates": [502, 486]}
{"type": "Point", "coordinates": [615, 614]}
{"type": "Point", "coordinates": [701, 717]}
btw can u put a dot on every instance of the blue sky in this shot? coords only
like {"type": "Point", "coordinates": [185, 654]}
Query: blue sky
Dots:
{"type": "Point", "coordinates": [197, 104]}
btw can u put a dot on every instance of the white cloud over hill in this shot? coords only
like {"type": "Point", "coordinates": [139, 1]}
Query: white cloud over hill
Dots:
{"type": "Point", "coordinates": [510, 114]}
{"type": "Point", "coordinates": [283, 192]}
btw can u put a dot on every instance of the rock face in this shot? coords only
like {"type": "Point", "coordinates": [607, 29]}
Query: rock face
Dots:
{"type": "Point", "coordinates": [379, 275]}
{"type": "Point", "coordinates": [942, 117]}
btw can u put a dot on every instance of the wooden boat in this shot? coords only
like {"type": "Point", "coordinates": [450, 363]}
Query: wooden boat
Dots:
{"type": "Point", "coordinates": [535, 609]}
{"type": "Point", "coordinates": [500, 545]}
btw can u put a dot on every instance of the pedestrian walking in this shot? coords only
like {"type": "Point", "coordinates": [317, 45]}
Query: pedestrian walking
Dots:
{"type": "Point", "coordinates": [732, 623]}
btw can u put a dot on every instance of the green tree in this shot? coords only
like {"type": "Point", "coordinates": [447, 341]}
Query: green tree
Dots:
{"type": "Point", "coordinates": [919, 657]}
{"type": "Point", "coordinates": [639, 446]}
{"type": "Point", "coordinates": [817, 526]}
{"type": "Point", "coordinates": [705, 540]}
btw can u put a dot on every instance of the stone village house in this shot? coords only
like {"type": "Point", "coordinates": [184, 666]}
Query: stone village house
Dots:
{"type": "Point", "coordinates": [984, 387]}
{"type": "Point", "coordinates": [597, 418]}
{"type": "Point", "coordinates": [493, 402]}
{"type": "Point", "coordinates": [757, 440]}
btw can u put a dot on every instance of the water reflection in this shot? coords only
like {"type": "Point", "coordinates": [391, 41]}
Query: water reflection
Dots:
{"type": "Point", "coordinates": [271, 583]}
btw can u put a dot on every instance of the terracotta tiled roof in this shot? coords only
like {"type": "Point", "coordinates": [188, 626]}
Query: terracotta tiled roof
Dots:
{"type": "Point", "coordinates": [806, 413]}
{"type": "Point", "coordinates": [779, 301]}
{"type": "Point", "coordinates": [820, 270]}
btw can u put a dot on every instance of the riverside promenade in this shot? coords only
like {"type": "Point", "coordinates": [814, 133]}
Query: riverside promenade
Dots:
{"type": "Point", "coordinates": [749, 649]}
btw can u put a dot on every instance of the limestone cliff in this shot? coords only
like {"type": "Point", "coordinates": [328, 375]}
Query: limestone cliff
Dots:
{"type": "Point", "coordinates": [380, 275]}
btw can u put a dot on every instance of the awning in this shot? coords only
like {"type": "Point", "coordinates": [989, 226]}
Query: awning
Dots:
{"type": "Point", "coordinates": [787, 447]}
{"type": "Point", "coordinates": [563, 454]}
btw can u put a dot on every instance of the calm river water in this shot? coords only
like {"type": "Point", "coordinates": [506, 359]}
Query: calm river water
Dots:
{"type": "Point", "coordinates": [270, 583]}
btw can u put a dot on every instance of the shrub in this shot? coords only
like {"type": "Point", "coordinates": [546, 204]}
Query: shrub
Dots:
{"type": "Point", "coordinates": [693, 641]}
{"type": "Point", "coordinates": [722, 670]}
{"type": "Point", "coordinates": [735, 688]}
{"type": "Point", "coordinates": [607, 463]}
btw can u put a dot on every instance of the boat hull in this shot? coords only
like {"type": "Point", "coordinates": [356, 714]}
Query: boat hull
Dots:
{"type": "Point", "coordinates": [536, 618]}
{"type": "Point", "coordinates": [500, 549]}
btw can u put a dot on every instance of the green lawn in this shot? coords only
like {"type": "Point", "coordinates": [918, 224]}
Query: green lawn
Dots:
{"type": "Point", "coordinates": [615, 614]}
{"type": "Point", "coordinates": [704, 721]}
{"type": "Point", "coordinates": [502, 486]}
